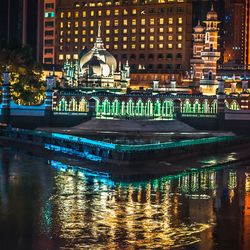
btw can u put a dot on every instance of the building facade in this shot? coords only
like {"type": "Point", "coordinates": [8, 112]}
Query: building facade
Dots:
{"type": "Point", "coordinates": [154, 36]}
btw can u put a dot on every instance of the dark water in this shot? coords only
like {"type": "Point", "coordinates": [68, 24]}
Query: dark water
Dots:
{"type": "Point", "coordinates": [44, 208]}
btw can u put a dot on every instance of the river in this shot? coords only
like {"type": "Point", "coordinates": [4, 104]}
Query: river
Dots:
{"type": "Point", "coordinates": [42, 207]}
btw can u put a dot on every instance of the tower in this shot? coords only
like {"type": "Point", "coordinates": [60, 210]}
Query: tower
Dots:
{"type": "Point", "coordinates": [210, 55]}
{"type": "Point", "coordinates": [198, 45]}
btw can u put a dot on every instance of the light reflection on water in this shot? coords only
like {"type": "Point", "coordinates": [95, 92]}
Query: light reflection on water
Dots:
{"type": "Point", "coordinates": [60, 210]}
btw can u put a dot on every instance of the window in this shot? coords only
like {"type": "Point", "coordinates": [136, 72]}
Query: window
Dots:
{"type": "Point", "coordinates": [170, 45]}
{"type": "Point", "coordinates": [152, 21]}
{"type": "Point", "coordinates": [170, 20]}
{"type": "Point", "coordinates": [180, 20]}
{"type": "Point", "coordinates": [143, 21]}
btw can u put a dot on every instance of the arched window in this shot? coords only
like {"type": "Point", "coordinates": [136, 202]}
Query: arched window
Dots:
{"type": "Point", "coordinates": [157, 108]}
{"type": "Point", "coordinates": [167, 109]}
{"type": "Point", "coordinates": [106, 107]}
{"type": "Point", "coordinates": [123, 109]}
{"type": "Point", "coordinates": [73, 105]}
{"type": "Point", "coordinates": [205, 107]}
{"type": "Point", "coordinates": [234, 105]}
{"type": "Point", "coordinates": [210, 75]}
{"type": "Point", "coordinates": [139, 108]}
{"type": "Point", "coordinates": [196, 107]}
{"type": "Point", "coordinates": [214, 107]}
{"type": "Point", "coordinates": [63, 105]}
{"type": "Point", "coordinates": [149, 108]}
{"type": "Point", "coordinates": [82, 105]}
{"type": "Point", "coordinates": [116, 107]}
{"type": "Point", "coordinates": [187, 108]}
{"type": "Point", "coordinates": [130, 107]}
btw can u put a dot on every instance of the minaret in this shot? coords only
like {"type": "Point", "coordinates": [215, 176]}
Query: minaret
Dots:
{"type": "Point", "coordinates": [210, 55]}
{"type": "Point", "coordinates": [6, 96]}
{"type": "Point", "coordinates": [198, 46]}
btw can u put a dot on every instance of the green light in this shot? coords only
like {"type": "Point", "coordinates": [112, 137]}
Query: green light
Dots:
{"type": "Point", "coordinates": [49, 14]}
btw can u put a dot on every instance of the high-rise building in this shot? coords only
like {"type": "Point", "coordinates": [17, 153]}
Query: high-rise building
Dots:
{"type": "Point", "coordinates": [19, 23]}
{"type": "Point", "coordinates": [246, 60]}
{"type": "Point", "coordinates": [154, 36]}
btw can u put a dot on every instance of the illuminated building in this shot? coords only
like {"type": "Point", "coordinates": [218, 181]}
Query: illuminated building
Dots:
{"type": "Point", "coordinates": [235, 31]}
{"type": "Point", "coordinates": [206, 54]}
{"type": "Point", "coordinates": [49, 30]}
{"type": "Point", "coordinates": [153, 36]}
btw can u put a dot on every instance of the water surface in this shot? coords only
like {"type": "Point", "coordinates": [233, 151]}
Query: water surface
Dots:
{"type": "Point", "coordinates": [42, 207]}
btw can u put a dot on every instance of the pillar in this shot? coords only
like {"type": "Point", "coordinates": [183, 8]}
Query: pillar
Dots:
{"type": "Point", "coordinates": [6, 97]}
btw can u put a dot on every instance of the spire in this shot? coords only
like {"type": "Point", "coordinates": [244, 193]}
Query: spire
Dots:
{"type": "Point", "coordinates": [199, 22]}
{"type": "Point", "coordinates": [99, 31]}
{"type": "Point", "coordinates": [212, 8]}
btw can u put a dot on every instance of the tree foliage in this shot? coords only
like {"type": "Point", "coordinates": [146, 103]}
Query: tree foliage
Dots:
{"type": "Point", "coordinates": [25, 75]}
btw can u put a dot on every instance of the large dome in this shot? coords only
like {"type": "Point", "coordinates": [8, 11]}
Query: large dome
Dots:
{"type": "Point", "coordinates": [103, 54]}
{"type": "Point", "coordinates": [198, 28]}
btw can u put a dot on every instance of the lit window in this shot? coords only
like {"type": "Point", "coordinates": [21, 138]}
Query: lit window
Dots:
{"type": "Point", "coordinates": [125, 22]}
{"type": "Point", "coordinates": [107, 31]}
{"type": "Point", "coordinates": [92, 23]}
{"type": "Point", "coordinates": [69, 14]}
{"type": "Point", "coordinates": [115, 39]}
{"type": "Point", "coordinates": [125, 31]}
{"type": "Point", "coordinates": [107, 12]}
{"type": "Point", "coordinates": [61, 57]}
{"type": "Point", "coordinates": [116, 12]}
{"type": "Point", "coordinates": [61, 24]}
{"type": "Point", "coordinates": [151, 38]}
{"type": "Point", "coordinates": [134, 11]}
{"type": "Point", "coordinates": [125, 38]}
{"type": "Point", "coordinates": [92, 13]}
{"type": "Point", "coordinates": [83, 39]}
{"type": "Point", "coordinates": [116, 22]}
{"type": "Point", "coordinates": [116, 31]}
{"type": "Point", "coordinates": [76, 40]}
{"type": "Point", "coordinates": [107, 22]}
{"type": "Point", "coordinates": [179, 29]}
{"type": "Point", "coordinates": [179, 38]}
{"type": "Point", "coordinates": [170, 38]}
{"type": "Point", "coordinates": [160, 38]}
{"type": "Point", "coordinates": [170, 20]}
{"type": "Point", "coordinates": [62, 15]}
{"type": "Point", "coordinates": [151, 46]}
{"type": "Point", "coordinates": [107, 39]}
{"type": "Point", "coordinates": [76, 24]}
{"type": "Point", "coordinates": [133, 21]}
{"type": "Point", "coordinates": [133, 46]}
{"type": "Point", "coordinates": [152, 21]}
{"type": "Point", "coordinates": [161, 30]}
{"type": "Point", "coordinates": [142, 46]}
{"type": "Point", "coordinates": [133, 31]}
{"type": "Point", "coordinates": [84, 23]}
{"type": "Point", "coordinates": [170, 45]}
{"type": "Point", "coordinates": [143, 30]}
{"type": "Point", "coordinates": [107, 46]}
{"type": "Point", "coordinates": [124, 46]}
{"type": "Point", "coordinates": [160, 45]}
{"type": "Point", "coordinates": [125, 12]}
{"type": "Point", "coordinates": [99, 13]}
{"type": "Point", "coordinates": [133, 38]}
{"type": "Point", "coordinates": [180, 20]}
{"type": "Point", "coordinates": [170, 29]}
{"type": "Point", "coordinates": [75, 56]}
{"type": "Point", "coordinates": [152, 30]}
{"type": "Point", "coordinates": [91, 39]}
{"type": "Point", "coordinates": [142, 38]}
{"type": "Point", "coordinates": [84, 14]}
{"type": "Point", "coordinates": [91, 32]}
{"type": "Point", "coordinates": [83, 32]}
{"type": "Point", "coordinates": [68, 56]}
{"type": "Point", "coordinates": [161, 21]}
{"type": "Point", "coordinates": [115, 46]}
{"type": "Point", "coordinates": [68, 24]}
{"type": "Point", "coordinates": [179, 46]}
{"type": "Point", "coordinates": [68, 32]}
{"type": "Point", "coordinates": [76, 32]}
{"type": "Point", "coordinates": [76, 14]}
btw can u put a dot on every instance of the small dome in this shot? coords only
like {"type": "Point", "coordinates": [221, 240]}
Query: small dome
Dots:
{"type": "Point", "coordinates": [198, 28]}
{"type": "Point", "coordinates": [212, 15]}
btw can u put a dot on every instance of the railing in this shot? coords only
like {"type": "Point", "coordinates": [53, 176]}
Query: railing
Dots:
{"type": "Point", "coordinates": [118, 147]}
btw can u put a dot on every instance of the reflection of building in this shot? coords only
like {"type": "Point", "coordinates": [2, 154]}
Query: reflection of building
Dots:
{"type": "Point", "coordinates": [153, 36]}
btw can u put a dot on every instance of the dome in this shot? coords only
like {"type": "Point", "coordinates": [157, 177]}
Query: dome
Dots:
{"type": "Point", "coordinates": [103, 54]}
{"type": "Point", "coordinates": [198, 28]}
{"type": "Point", "coordinates": [212, 15]}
